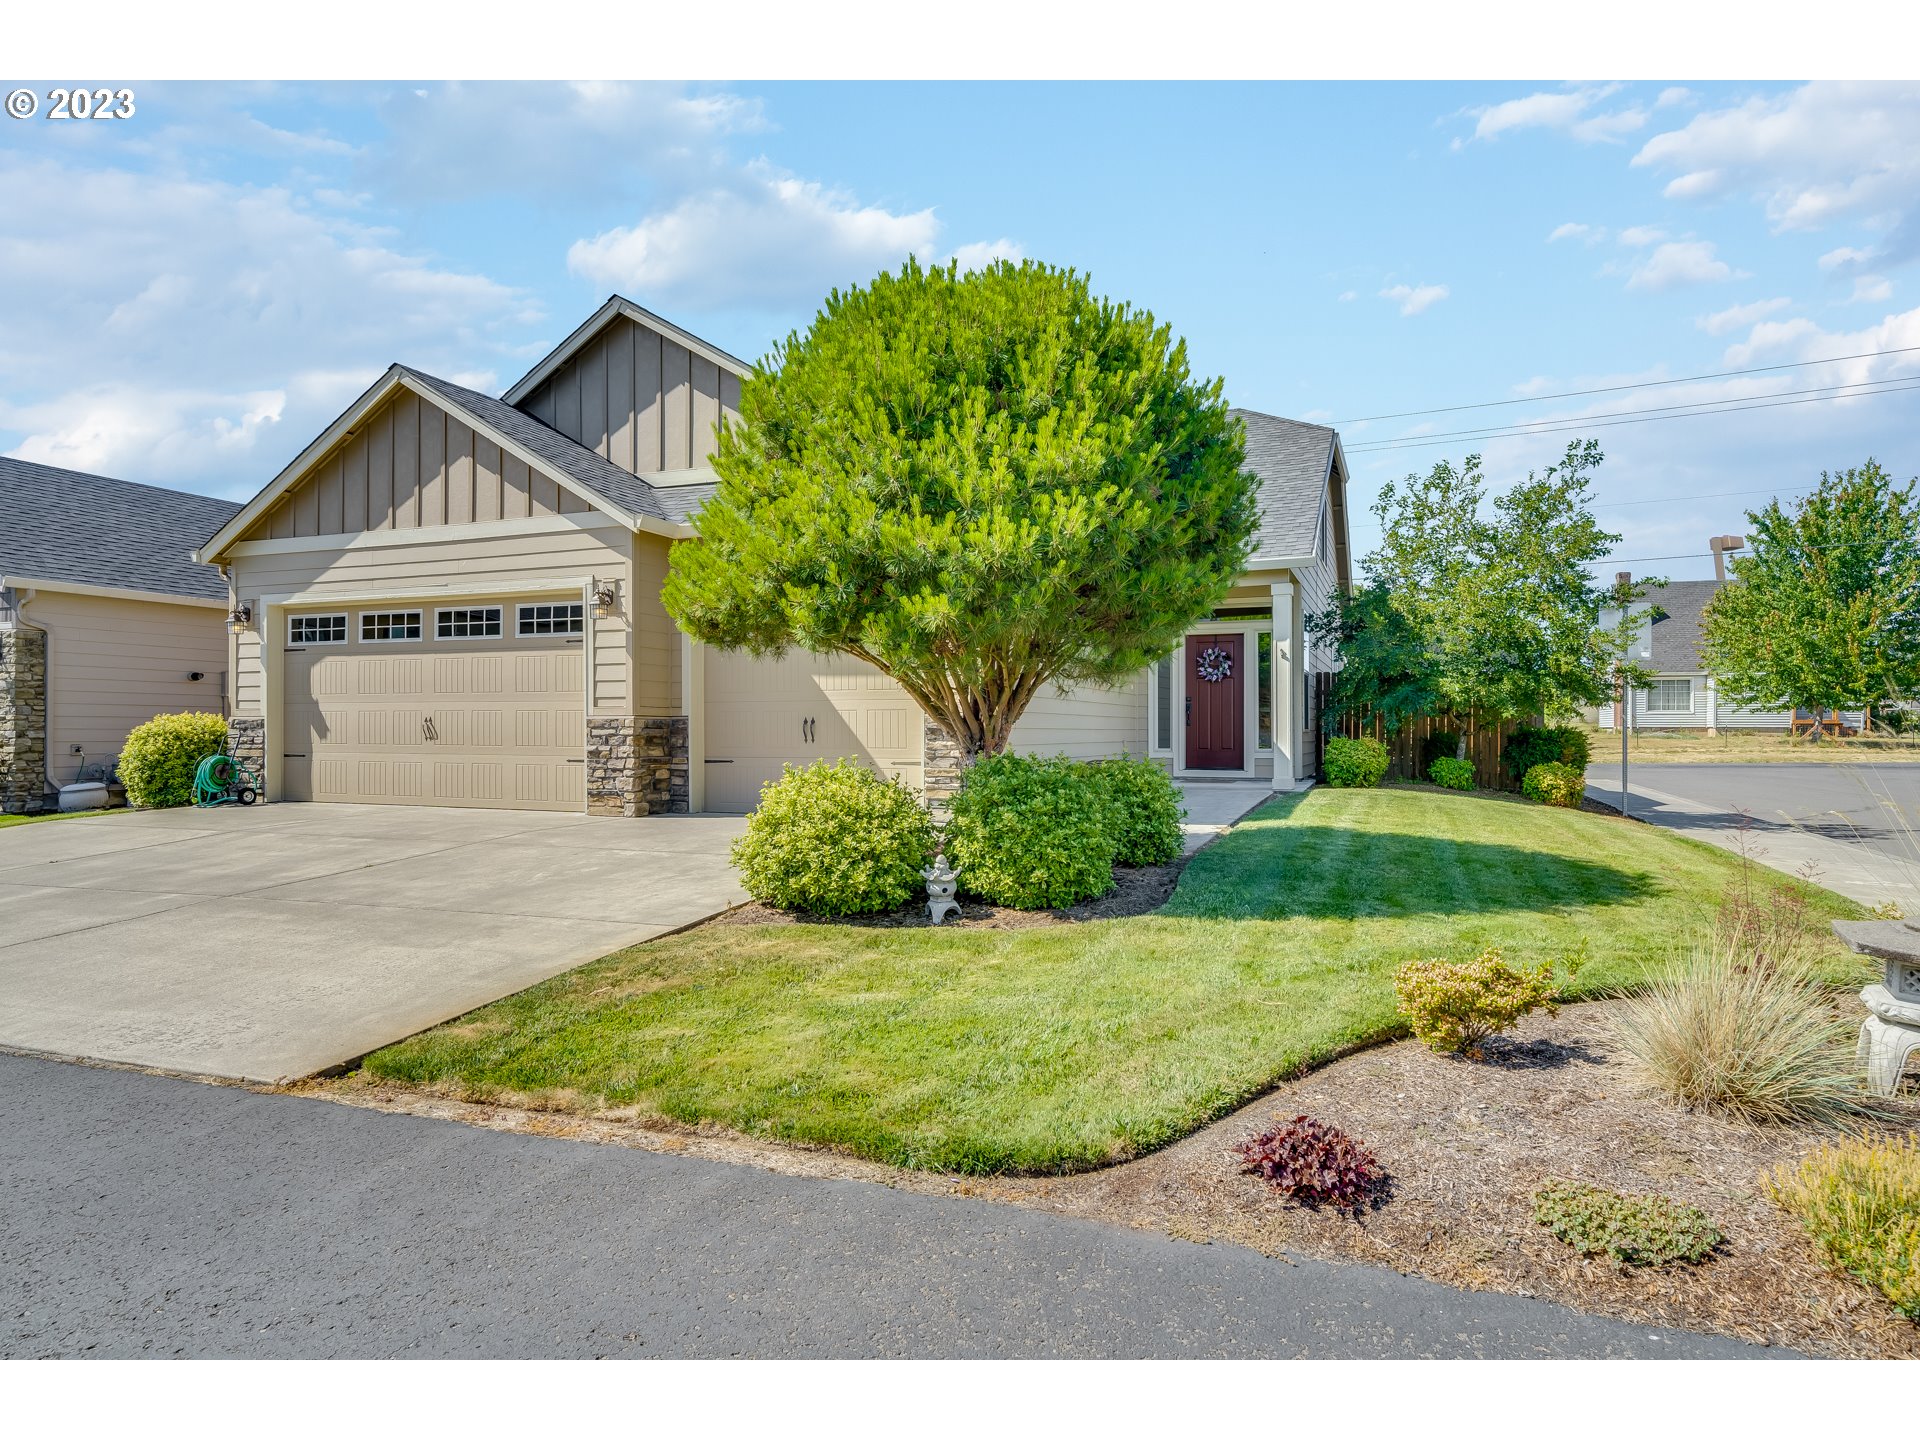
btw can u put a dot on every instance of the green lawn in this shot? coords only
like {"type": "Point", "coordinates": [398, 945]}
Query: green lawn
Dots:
{"type": "Point", "coordinates": [8, 820]}
{"type": "Point", "coordinates": [1068, 1047]}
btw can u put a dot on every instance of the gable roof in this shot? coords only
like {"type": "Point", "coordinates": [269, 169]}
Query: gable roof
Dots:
{"type": "Point", "coordinates": [66, 525]}
{"type": "Point", "coordinates": [1676, 632]}
{"type": "Point", "coordinates": [1294, 462]}
{"type": "Point", "coordinates": [616, 307]}
{"type": "Point", "coordinates": [594, 477]}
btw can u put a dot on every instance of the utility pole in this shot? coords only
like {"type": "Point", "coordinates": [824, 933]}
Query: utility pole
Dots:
{"type": "Point", "coordinates": [1624, 582]}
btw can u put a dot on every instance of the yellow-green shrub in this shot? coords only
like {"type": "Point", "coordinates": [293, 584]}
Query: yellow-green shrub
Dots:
{"type": "Point", "coordinates": [1629, 1229]}
{"type": "Point", "coordinates": [1555, 784]}
{"type": "Point", "coordinates": [1031, 833]}
{"type": "Point", "coordinates": [1452, 1006]}
{"type": "Point", "coordinates": [157, 762]}
{"type": "Point", "coordinates": [835, 839]}
{"type": "Point", "coordinates": [1860, 1201]}
{"type": "Point", "coordinates": [1147, 810]}
{"type": "Point", "coordinates": [1359, 764]}
{"type": "Point", "coordinates": [1453, 773]}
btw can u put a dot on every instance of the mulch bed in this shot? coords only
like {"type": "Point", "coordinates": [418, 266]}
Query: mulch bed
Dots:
{"type": "Point", "coordinates": [1137, 890]}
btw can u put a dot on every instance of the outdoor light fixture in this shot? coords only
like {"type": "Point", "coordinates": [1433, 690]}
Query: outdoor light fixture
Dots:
{"type": "Point", "coordinates": [606, 598]}
{"type": "Point", "coordinates": [241, 617]}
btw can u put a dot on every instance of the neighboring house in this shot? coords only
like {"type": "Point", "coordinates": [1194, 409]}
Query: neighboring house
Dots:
{"type": "Point", "coordinates": [104, 620]}
{"type": "Point", "coordinates": [453, 599]}
{"type": "Point", "coordinates": [1682, 696]}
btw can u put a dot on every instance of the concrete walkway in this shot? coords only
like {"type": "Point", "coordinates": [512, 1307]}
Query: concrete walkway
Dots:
{"type": "Point", "coordinates": [1214, 805]}
{"type": "Point", "coordinates": [1852, 828]}
{"type": "Point", "coordinates": [270, 942]}
{"type": "Point", "coordinates": [146, 1216]}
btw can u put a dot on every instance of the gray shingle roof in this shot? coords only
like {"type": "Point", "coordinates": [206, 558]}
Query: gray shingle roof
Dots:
{"type": "Point", "coordinates": [568, 457]}
{"type": "Point", "coordinates": [91, 530]}
{"type": "Point", "coordinates": [1291, 459]}
{"type": "Point", "coordinates": [1676, 636]}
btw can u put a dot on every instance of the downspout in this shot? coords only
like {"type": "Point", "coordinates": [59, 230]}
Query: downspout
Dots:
{"type": "Point", "coordinates": [23, 598]}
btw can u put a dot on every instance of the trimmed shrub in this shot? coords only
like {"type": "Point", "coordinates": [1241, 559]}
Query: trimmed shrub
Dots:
{"type": "Point", "coordinates": [835, 839]}
{"type": "Point", "coordinates": [1440, 745]}
{"type": "Point", "coordinates": [1031, 833]}
{"type": "Point", "coordinates": [1531, 745]}
{"type": "Point", "coordinates": [1743, 1033]}
{"type": "Point", "coordinates": [1314, 1163]}
{"type": "Point", "coordinates": [1360, 763]}
{"type": "Point", "coordinates": [1452, 773]}
{"type": "Point", "coordinates": [1147, 810]}
{"type": "Point", "coordinates": [1630, 1229]}
{"type": "Point", "coordinates": [157, 762]}
{"type": "Point", "coordinates": [1555, 784]}
{"type": "Point", "coordinates": [1860, 1201]}
{"type": "Point", "coordinates": [1452, 1006]}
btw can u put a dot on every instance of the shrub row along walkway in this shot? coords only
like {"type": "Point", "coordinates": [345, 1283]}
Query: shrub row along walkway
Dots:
{"type": "Point", "coordinates": [1071, 1046]}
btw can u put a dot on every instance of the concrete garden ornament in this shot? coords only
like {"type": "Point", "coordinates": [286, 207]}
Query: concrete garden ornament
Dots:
{"type": "Point", "coordinates": [1891, 1031]}
{"type": "Point", "coordinates": [942, 881]}
{"type": "Point", "coordinates": [1214, 664]}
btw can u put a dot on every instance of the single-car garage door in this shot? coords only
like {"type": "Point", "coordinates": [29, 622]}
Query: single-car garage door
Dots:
{"type": "Point", "coordinates": [480, 705]}
{"type": "Point", "coordinates": [762, 714]}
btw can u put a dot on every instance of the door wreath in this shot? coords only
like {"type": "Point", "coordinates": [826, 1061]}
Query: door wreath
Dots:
{"type": "Point", "coordinates": [1215, 664]}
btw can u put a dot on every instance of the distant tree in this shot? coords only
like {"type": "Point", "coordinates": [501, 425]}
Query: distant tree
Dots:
{"type": "Point", "coordinates": [1468, 609]}
{"type": "Point", "coordinates": [979, 483]}
{"type": "Point", "coordinates": [1824, 614]}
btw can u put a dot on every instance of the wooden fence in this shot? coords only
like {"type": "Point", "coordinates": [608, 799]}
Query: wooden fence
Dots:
{"type": "Point", "coordinates": [1484, 739]}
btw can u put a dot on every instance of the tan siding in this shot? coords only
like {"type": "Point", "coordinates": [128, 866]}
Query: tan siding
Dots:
{"type": "Point", "coordinates": [593, 398]}
{"type": "Point", "coordinates": [406, 462]}
{"type": "Point", "coordinates": [706, 408]}
{"type": "Point", "coordinates": [486, 479]}
{"type": "Point", "coordinates": [656, 640]}
{"type": "Point", "coordinates": [620, 404]}
{"type": "Point", "coordinates": [378, 436]}
{"type": "Point", "coordinates": [459, 472]}
{"type": "Point", "coordinates": [433, 462]}
{"type": "Point", "coordinates": [648, 420]}
{"type": "Point", "coordinates": [332, 513]}
{"type": "Point", "coordinates": [353, 475]}
{"type": "Point", "coordinates": [1087, 723]}
{"type": "Point", "coordinates": [114, 664]}
{"type": "Point", "coordinates": [676, 389]}
{"type": "Point", "coordinates": [729, 395]}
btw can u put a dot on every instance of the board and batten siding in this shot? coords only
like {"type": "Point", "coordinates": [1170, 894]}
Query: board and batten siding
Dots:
{"type": "Point", "coordinates": [116, 663]}
{"type": "Point", "coordinates": [1318, 582]}
{"type": "Point", "coordinates": [444, 558]}
{"type": "Point", "coordinates": [642, 400]}
{"type": "Point", "coordinates": [1088, 722]}
{"type": "Point", "coordinates": [410, 465]}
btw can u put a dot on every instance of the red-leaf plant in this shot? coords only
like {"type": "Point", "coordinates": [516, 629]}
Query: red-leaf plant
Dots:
{"type": "Point", "coordinates": [1314, 1163]}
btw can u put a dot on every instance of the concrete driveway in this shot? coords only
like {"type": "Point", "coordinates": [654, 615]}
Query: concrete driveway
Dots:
{"type": "Point", "coordinates": [270, 942]}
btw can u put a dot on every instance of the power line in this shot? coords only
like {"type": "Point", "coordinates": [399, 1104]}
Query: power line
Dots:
{"type": "Point", "coordinates": [1636, 385]}
{"type": "Point", "coordinates": [1528, 427]}
{"type": "Point", "coordinates": [1641, 420]}
{"type": "Point", "coordinates": [1708, 495]}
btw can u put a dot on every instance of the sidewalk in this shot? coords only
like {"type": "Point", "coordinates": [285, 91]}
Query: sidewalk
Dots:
{"type": "Point", "coordinates": [1844, 866]}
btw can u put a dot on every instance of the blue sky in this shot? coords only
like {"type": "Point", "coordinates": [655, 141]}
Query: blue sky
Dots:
{"type": "Point", "coordinates": [192, 294]}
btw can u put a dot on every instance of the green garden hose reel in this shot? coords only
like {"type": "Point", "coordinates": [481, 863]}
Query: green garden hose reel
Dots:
{"type": "Point", "coordinates": [223, 780]}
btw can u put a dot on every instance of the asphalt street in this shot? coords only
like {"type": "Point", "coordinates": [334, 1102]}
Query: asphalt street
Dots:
{"type": "Point", "coordinates": [146, 1216]}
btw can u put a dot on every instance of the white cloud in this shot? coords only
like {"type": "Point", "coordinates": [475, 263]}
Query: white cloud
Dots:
{"type": "Point", "coordinates": [1415, 298]}
{"type": "Point", "coordinates": [1802, 339]}
{"type": "Point", "coordinates": [1642, 235]}
{"type": "Point", "coordinates": [1870, 289]}
{"type": "Point", "coordinates": [771, 239]}
{"type": "Point", "coordinates": [982, 253]}
{"type": "Point", "coordinates": [1738, 316]}
{"type": "Point", "coordinates": [1673, 95]}
{"type": "Point", "coordinates": [1679, 262]}
{"type": "Point", "coordinates": [1846, 255]}
{"type": "Point", "coordinates": [1572, 111]}
{"type": "Point", "coordinates": [1813, 155]}
{"type": "Point", "coordinates": [1574, 230]}
{"type": "Point", "coordinates": [1346, 295]}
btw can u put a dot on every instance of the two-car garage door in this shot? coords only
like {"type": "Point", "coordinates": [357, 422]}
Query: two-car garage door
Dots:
{"type": "Point", "coordinates": [437, 705]}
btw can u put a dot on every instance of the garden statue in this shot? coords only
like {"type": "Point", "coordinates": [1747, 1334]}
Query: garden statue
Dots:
{"type": "Point", "coordinates": [942, 881]}
{"type": "Point", "coordinates": [1891, 1031]}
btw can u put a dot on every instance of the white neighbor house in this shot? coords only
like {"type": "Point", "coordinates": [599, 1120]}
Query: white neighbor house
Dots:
{"type": "Point", "coordinates": [450, 598]}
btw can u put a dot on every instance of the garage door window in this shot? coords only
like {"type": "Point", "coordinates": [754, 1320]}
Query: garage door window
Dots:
{"type": "Point", "coordinates": [388, 625]}
{"type": "Point", "coordinates": [316, 630]}
{"type": "Point", "coordinates": [560, 619]}
{"type": "Point", "coordinates": [477, 622]}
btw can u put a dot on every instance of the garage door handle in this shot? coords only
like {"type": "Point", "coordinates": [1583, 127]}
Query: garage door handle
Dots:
{"type": "Point", "coordinates": [427, 732]}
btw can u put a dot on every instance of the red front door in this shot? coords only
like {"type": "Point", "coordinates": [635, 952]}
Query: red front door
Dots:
{"type": "Point", "coordinates": [1216, 703]}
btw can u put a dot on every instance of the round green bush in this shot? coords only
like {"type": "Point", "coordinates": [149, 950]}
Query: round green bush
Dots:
{"type": "Point", "coordinates": [1147, 810]}
{"type": "Point", "coordinates": [1453, 773]}
{"type": "Point", "coordinates": [157, 762]}
{"type": "Point", "coordinates": [1530, 745]}
{"type": "Point", "coordinates": [835, 839]}
{"type": "Point", "coordinates": [1360, 763]}
{"type": "Point", "coordinates": [1032, 833]}
{"type": "Point", "coordinates": [1555, 784]}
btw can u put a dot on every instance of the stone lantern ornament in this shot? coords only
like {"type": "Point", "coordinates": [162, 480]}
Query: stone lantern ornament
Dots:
{"type": "Point", "coordinates": [1891, 1031]}
{"type": "Point", "coordinates": [942, 881]}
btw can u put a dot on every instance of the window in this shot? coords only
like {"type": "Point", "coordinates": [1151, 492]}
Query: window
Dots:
{"type": "Point", "coordinates": [1671, 697]}
{"type": "Point", "coordinates": [560, 619]}
{"type": "Point", "coordinates": [316, 630]}
{"type": "Point", "coordinates": [1163, 704]}
{"type": "Point", "coordinates": [1265, 642]}
{"type": "Point", "coordinates": [477, 622]}
{"type": "Point", "coordinates": [389, 624]}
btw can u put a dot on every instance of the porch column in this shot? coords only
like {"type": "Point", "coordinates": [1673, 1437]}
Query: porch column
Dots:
{"type": "Point", "coordinates": [1288, 662]}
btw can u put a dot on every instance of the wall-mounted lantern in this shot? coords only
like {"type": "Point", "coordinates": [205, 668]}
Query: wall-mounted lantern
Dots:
{"type": "Point", "coordinates": [241, 617]}
{"type": "Point", "coordinates": [606, 598]}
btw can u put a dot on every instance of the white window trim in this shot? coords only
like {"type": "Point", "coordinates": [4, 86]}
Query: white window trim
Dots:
{"type": "Point", "coordinates": [1252, 629]}
{"type": "Point", "coordinates": [438, 614]}
{"type": "Point", "coordinates": [419, 621]}
{"type": "Point", "coordinates": [1653, 689]}
{"type": "Point", "coordinates": [346, 628]}
{"type": "Point", "coordinates": [521, 608]}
